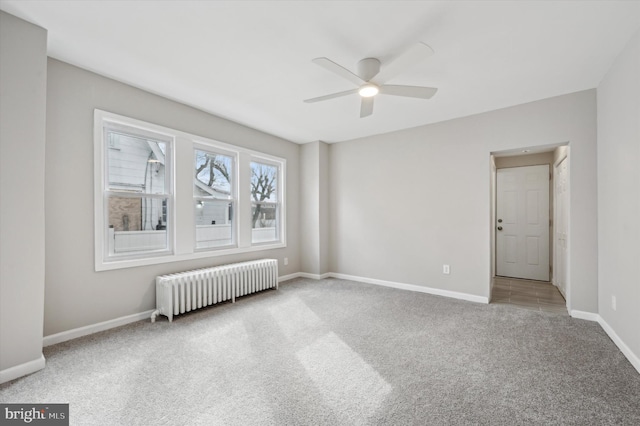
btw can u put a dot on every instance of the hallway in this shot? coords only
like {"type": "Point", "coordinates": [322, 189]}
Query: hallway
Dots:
{"type": "Point", "coordinates": [533, 295]}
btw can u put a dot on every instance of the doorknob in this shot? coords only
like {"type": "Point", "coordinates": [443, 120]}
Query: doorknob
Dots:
{"type": "Point", "coordinates": [499, 228]}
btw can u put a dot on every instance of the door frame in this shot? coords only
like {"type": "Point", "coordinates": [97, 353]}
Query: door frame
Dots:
{"type": "Point", "coordinates": [493, 207]}
{"type": "Point", "coordinates": [561, 158]}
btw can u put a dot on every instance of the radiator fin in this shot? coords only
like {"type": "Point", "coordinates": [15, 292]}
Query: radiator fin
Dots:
{"type": "Point", "coordinates": [190, 290]}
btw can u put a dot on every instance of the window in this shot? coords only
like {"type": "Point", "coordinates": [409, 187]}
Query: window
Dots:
{"type": "Point", "coordinates": [136, 192]}
{"type": "Point", "coordinates": [163, 195]}
{"type": "Point", "coordinates": [214, 199]}
{"type": "Point", "coordinates": [265, 209]}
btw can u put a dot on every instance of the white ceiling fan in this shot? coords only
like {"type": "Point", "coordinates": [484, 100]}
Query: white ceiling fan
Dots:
{"type": "Point", "coordinates": [370, 79]}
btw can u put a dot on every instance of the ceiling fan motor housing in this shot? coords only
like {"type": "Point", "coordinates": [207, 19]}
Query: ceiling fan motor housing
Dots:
{"type": "Point", "coordinates": [368, 68]}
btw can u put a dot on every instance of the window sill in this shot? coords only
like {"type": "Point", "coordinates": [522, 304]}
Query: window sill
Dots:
{"type": "Point", "coordinates": [133, 263]}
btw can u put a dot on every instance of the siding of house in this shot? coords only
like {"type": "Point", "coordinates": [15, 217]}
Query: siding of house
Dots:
{"type": "Point", "coordinates": [130, 171]}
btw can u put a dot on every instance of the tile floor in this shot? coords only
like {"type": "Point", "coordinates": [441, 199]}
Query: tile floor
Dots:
{"type": "Point", "coordinates": [534, 295]}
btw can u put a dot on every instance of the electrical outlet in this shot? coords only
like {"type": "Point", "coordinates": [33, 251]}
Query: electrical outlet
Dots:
{"type": "Point", "coordinates": [445, 269]}
{"type": "Point", "coordinates": [286, 261]}
{"type": "Point", "coordinates": [613, 303]}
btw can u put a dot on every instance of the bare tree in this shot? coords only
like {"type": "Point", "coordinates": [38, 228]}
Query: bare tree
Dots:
{"type": "Point", "coordinates": [213, 169]}
{"type": "Point", "coordinates": [213, 163]}
{"type": "Point", "coordinates": [263, 185]}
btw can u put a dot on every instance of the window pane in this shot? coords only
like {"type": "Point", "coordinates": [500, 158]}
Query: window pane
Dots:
{"type": "Point", "coordinates": [135, 164]}
{"type": "Point", "coordinates": [265, 223]}
{"type": "Point", "coordinates": [264, 182]}
{"type": "Point", "coordinates": [214, 223]}
{"type": "Point", "coordinates": [137, 224]}
{"type": "Point", "coordinates": [213, 175]}
{"type": "Point", "coordinates": [264, 196]}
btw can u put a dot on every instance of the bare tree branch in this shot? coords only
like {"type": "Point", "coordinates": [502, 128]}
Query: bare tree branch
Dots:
{"type": "Point", "coordinates": [201, 168]}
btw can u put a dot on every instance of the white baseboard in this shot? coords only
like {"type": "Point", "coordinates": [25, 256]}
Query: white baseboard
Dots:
{"type": "Point", "coordinates": [12, 373]}
{"type": "Point", "coordinates": [304, 275]}
{"type": "Point", "coordinates": [315, 276]}
{"type": "Point", "coordinates": [117, 322]}
{"type": "Point", "coordinates": [413, 287]}
{"type": "Point", "coordinates": [289, 277]}
{"type": "Point", "coordinates": [589, 316]}
{"type": "Point", "coordinates": [94, 328]}
{"type": "Point", "coordinates": [402, 286]}
{"type": "Point", "coordinates": [633, 358]}
{"type": "Point", "coordinates": [38, 364]}
{"type": "Point", "coordinates": [626, 351]}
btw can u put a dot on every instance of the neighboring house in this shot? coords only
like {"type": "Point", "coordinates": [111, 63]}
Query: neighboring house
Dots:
{"type": "Point", "coordinates": [212, 212]}
{"type": "Point", "coordinates": [136, 165]}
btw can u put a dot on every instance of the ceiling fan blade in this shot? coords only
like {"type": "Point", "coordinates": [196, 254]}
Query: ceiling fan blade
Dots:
{"type": "Point", "coordinates": [339, 70]}
{"type": "Point", "coordinates": [408, 58]}
{"type": "Point", "coordinates": [331, 96]}
{"type": "Point", "coordinates": [366, 107]}
{"type": "Point", "coordinates": [409, 91]}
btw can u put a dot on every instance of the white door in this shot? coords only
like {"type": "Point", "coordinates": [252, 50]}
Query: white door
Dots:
{"type": "Point", "coordinates": [561, 226]}
{"type": "Point", "coordinates": [522, 228]}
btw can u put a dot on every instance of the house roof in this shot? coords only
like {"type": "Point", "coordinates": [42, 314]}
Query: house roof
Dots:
{"type": "Point", "coordinates": [207, 191]}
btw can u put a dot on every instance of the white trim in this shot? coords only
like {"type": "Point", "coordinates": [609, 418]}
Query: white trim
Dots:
{"type": "Point", "coordinates": [305, 275]}
{"type": "Point", "coordinates": [392, 284]}
{"type": "Point", "coordinates": [589, 316]}
{"type": "Point", "coordinates": [281, 203]}
{"type": "Point", "coordinates": [17, 371]}
{"type": "Point", "coordinates": [187, 256]}
{"type": "Point", "coordinates": [626, 351]}
{"type": "Point", "coordinates": [180, 247]}
{"type": "Point", "coordinates": [316, 276]}
{"type": "Point", "coordinates": [289, 277]}
{"type": "Point", "coordinates": [562, 157]}
{"type": "Point", "coordinates": [94, 328]}
{"type": "Point", "coordinates": [103, 120]}
{"type": "Point", "coordinates": [413, 287]}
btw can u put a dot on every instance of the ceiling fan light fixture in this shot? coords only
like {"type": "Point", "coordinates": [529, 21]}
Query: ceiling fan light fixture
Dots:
{"type": "Point", "coordinates": [368, 90]}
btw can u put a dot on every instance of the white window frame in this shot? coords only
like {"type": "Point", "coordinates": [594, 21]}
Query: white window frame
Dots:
{"type": "Point", "coordinates": [103, 122]}
{"type": "Point", "coordinates": [213, 148]}
{"type": "Point", "coordinates": [280, 165]}
{"type": "Point", "coordinates": [181, 239]}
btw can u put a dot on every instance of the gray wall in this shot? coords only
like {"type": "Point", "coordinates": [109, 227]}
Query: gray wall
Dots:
{"type": "Point", "coordinates": [314, 208]}
{"type": "Point", "coordinates": [310, 208]}
{"type": "Point", "coordinates": [77, 295]}
{"type": "Point", "coordinates": [405, 203]}
{"type": "Point", "coordinates": [325, 230]}
{"type": "Point", "coordinates": [23, 71]}
{"type": "Point", "coordinates": [619, 195]}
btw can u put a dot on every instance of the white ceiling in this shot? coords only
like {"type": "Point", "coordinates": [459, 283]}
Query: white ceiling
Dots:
{"type": "Point", "coordinates": [250, 61]}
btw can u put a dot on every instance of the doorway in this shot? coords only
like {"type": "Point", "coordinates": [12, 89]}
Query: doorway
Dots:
{"type": "Point", "coordinates": [513, 251]}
